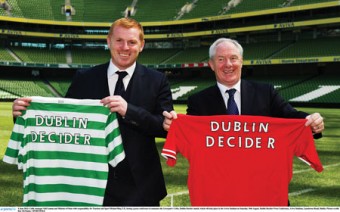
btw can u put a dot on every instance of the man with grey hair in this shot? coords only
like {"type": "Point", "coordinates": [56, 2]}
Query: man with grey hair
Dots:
{"type": "Point", "coordinates": [232, 95]}
{"type": "Point", "coordinates": [251, 98]}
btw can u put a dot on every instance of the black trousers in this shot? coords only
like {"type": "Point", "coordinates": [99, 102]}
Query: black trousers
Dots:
{"type": "Point", "coordinates": [121, 189]}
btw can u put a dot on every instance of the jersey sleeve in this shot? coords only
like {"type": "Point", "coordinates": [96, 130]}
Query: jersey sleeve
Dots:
{"type": "Point", "coordinates": [306, 150]}
{"type": "Point", "coordinates": [114, 140]}
{"type": "Point", "coordinates": [14, 145]}
{"type": "Point", "coordinates": [169, 151]}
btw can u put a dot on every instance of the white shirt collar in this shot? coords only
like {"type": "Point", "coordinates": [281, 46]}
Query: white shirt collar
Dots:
{"type": "Point", "coordinates": [237, 95]}
{"type": "Point", "coordinates": [112, 77]}
{"type": "Point", "coordinates": [113, 68]}
{"type": "Point", "coordinates": [223, 88]}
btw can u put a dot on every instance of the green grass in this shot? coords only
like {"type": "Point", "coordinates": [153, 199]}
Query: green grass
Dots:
{"type": "Point", "coordinates": [321, 189]}
{"type": "Point", "coordinates": [10, 177]}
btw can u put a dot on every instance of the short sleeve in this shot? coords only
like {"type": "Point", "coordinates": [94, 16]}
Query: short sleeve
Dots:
{"type": "Point", "coordinates": [14, 145]}
{"type": "Point", "coordinates": [169, 151]}
{"type": "Point", "coordinates": [305, 149]}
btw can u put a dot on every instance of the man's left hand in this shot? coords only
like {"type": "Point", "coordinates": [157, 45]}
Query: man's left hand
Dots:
{"type": "Point", "coordinates": [315, 121]}
{"type": "Point", "coordinates": [116, 104]}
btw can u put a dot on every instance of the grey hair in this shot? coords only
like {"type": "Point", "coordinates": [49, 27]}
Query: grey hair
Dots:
{"type": "Point", "coordinates": [212, 49]}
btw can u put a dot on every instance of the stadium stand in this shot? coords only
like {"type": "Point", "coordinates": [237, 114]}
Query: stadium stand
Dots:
{"type": "Point", "coordinates": [190, 54]}
{"type": "Point", "coordinates": [319, 89]}
{"type": "Point", "coordinates": [40, 55]}
{"type": "Point", "coordinates": [16, 87]}
{"type": "Point", "coordinates": [5, 55]}
{"type": "Point", "coordinates": [205, 8]}
{"type": "Point", "coordinates": [259, 51]}
{"type": "Point", "coordinates": [292, 46]}
{"type": "Point", "coordinates": [102, 10]}
{"type": "Point", "coordinates": [59, 84]}
{"type": "Point", "coordinates": [89, 56]}
{"type": "Point", "coordinates": [161, 10]}
{"type": "Point", "coordinates": [146, 10]}
{"type": "Point", "coordinates": [311, 48]}
{"type": "Point", "coordinates": [194, 84]}
{"type": "Point", "coordinates": [157, 56]}
{"type": "Point", "coordinates": [36, 9]}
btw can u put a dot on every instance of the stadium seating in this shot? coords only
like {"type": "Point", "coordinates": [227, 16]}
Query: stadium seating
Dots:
{"type": "Point", "coordinates": [61, 85]}
{"type": "Point", "coordinates": [281, 83]}
{"type": "Point", "coordinates": [190, 55]}
{"type": "Point", "coordinates": [311, 48]}
{"type": "Point", "coordinates": [313, 84]}
{"type": "Point", "coordinates": [40, 55]}
{"type": "Point", "coordinates": [102, 10]}
{"type": "Point", "coordinates": [90, 56]}
{"type": "Point", "coordinates": [302, 2]}
{"type": "Point", "coordinates": [249, 5]}
{"type": "Point", "coordinates": [5, 56]}
{"type": "Point", "coordinates": [252, 51]}
{"type": "Point", "coordinates": [257, 45]}
{"type": "Point", "coordinates": [36, 9]}
{"type": "Point", "coordinates": [7, 95]}
{"type": "Point", "coordinates": [260, 51]}
{"type": "Point", "coordinates": [157, 56]}
{"type": "Point", "coordinates": [15, 9]}
{"type": "Point", "coordinates": [320, 47]}
{"type": "Point", "coordinates": [205, 9]}
{"type": "Point", "coordinates": [290, 87]}
{"type": "Point", "coordinates": [146, 10]}
{"type": "Point", "coordinates": [198, 83]}
{"type": "Point", "coordinates": [16, 87]}
{"type": "Point", "coordinates": [149, 10]}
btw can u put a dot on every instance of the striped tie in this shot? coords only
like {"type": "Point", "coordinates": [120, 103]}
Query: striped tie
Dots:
{"type": "Point", "coordinates": [232, 107]}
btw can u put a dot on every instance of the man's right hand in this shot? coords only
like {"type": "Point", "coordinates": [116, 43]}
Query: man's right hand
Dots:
{"type": "Point", "coordinates": [19, 105]}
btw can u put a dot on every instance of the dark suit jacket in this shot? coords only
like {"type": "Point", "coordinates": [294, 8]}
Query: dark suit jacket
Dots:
{"type": "Point", "coordinates": [148, 95]}
{"type": "Point", "coordinates": [256, 99]}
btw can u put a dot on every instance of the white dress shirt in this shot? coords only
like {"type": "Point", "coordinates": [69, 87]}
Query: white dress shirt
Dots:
{"type": "Point", "coordinates": [237, 95]}
{"type": "Point", "coordinates": [112, 77]}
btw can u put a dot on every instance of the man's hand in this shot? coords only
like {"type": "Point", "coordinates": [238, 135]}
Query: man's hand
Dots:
{"type": "Point", "coordinates": [315, 121]}
{"type": "Point", "coordinates": [168, 117]}
{"type": "Point", "coordinates": [19, 105]}
{"type": "Point", "coordinates": [116, 104]}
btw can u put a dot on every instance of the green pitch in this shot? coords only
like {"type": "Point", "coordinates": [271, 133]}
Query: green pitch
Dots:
{"type": "Point", "coordinates": [308, 188]}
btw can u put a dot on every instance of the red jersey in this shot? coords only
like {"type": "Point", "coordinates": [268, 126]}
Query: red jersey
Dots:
{"type": "Point", "coordinates": [240, 160]}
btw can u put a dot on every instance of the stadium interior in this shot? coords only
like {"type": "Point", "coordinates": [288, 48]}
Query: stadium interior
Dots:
{"type": "Point", "coordinates": [293, 44]}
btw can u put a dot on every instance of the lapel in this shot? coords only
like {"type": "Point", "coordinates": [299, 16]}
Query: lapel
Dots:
{"type": "Point", "coordinates": [136, 82]}
{"type": "Point", "coordinates": [216, 96]}
{"type": "Point", "coordinates": [247, 97]}
{"type": "Point", "coordinates": [104, 81]}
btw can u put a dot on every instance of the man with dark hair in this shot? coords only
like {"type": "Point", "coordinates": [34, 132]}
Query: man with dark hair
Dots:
{"type": "Point", "coordinates": [139, 96]}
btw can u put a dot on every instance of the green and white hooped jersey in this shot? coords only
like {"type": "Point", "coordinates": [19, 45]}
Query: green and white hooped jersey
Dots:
{"type": "Point", "coordinates": [63, 147]}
